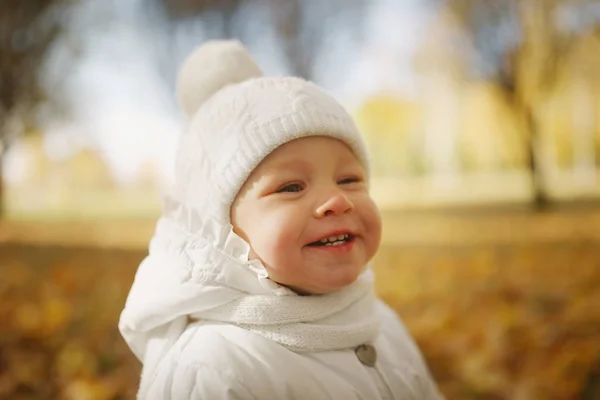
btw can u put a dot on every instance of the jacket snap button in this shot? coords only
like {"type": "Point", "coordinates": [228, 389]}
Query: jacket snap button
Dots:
{"type": "Point", "coordinates": [366, 354]}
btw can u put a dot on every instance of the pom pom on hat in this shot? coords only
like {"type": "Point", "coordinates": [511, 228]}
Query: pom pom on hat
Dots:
{"type": "Point", "coordinates": [211, 67]}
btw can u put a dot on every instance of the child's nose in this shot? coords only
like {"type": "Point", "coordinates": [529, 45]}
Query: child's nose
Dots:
{"type": "Point", "coordinates": [336, 204]}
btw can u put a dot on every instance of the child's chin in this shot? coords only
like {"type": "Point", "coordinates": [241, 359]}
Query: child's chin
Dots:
{"type": "Point", "coordinates": [338, 284]}
{"type": "Point", "coordinates": [321, 289]}
{"type": "Point", "coordinates": [330, 283]}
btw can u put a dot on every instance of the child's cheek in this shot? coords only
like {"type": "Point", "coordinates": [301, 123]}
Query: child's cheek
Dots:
{"type": "Point", "coordinates": [283, 239]}
{"type": "Point", "coordinates": [371, 221]}
{"type": "Point", "coordinates": [270, 242]}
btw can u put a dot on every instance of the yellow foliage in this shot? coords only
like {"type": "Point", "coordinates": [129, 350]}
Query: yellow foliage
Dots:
{"type": "Point", "coordinates": [390, 126]}
{"type": "Point", "coordinates": [494, 134]}
{"type": "Point", "coordinates": [86, 170]}
{"type": "Point", "coordinates": [570, 108]}
{"type": "Point", "coordinates": [384, 117]}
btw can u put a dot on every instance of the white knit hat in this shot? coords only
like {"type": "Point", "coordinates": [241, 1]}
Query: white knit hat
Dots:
{"type": "Point", "coordinates": [238, 117]}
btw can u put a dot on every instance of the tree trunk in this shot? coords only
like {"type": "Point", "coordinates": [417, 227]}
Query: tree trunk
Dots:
{"type": "Point", "coordinates": [540, 199]}
{"type": "Point", "coordinates": [2, 201]}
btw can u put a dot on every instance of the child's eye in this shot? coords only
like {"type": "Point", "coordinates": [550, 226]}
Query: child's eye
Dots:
{"type": "Point", "coordinates": [347, 181]}
{"type": "Point", "coordinates": [290, 188]}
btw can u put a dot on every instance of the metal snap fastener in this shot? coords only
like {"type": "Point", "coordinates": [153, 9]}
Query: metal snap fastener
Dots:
{"type": "Point", "coordinates": [366, 354]}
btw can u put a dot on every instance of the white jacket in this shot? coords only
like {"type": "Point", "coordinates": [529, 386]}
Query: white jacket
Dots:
{"type": "Point", "coordinates": [222, 361]}
{"type": "Point", "coordinates": [209, 324]}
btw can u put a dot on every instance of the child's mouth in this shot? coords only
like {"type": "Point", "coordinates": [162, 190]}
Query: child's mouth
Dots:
{"type": "Point", "coordinates": [337, 240]}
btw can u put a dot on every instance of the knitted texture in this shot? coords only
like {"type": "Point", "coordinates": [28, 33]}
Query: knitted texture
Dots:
{"type": "Point", "coordinates": [238, 122]}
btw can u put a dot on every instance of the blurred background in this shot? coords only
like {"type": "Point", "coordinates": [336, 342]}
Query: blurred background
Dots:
{"type": "Point", "coordinates": [483, 119]}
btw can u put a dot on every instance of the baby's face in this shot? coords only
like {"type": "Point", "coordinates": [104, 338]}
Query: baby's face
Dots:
{"type": "Point", "coordinates": [307, 215]}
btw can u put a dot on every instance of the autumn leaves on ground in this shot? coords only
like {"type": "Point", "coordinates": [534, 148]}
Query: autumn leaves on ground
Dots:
{"type": "Point", "coordinates": [502, 322]}
{"type": "Point", "coordinates": [59, 309]}
{"type": "Point", "coordinates": [494, 322]}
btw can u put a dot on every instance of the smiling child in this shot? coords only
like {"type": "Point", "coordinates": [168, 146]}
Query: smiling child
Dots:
{"type": "Point", "coordinates": [257, 284]}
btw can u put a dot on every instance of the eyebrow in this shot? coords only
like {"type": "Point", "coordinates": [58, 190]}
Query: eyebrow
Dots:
{"type": "Point", "coordinates": [293, 164]}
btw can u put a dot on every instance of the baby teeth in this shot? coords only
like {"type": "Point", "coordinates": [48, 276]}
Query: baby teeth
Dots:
{"type": "Point", "coordinates": [332, 239]}
{"type": "Point", "coordinates": [335, 240]}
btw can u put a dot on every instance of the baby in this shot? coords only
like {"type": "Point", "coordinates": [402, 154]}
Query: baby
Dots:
{"type": "Point", "coordinates": [257, 283]}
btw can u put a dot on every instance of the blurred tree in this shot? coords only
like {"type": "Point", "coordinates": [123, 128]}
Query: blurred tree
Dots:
{"type": "Point", "coordinates": [541, 73]}
{"type": "Point", "coordinates": [26, 30]}
{"type": "Point", "coordinates": [225, 10]}
{"type": "Point", "coordinates": [189, 8]}
{"type": "Point", "coordinates": [522, 45]}
{"type": "Point", "coordinates": [510, 36]}
{"type": "Point", "coordinates": [302, 26]}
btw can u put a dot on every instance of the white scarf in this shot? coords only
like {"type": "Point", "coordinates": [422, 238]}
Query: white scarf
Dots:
{"type": "Point", "coordinates": [206, 275]}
